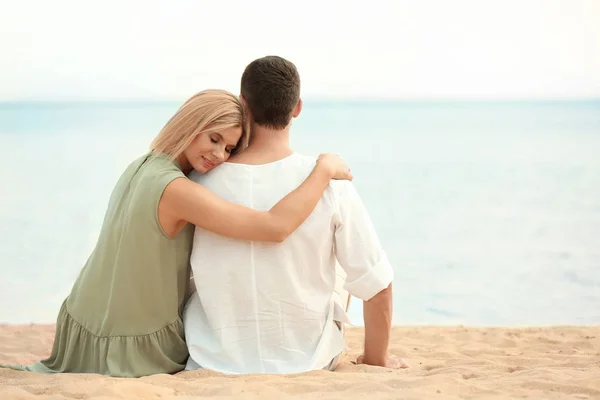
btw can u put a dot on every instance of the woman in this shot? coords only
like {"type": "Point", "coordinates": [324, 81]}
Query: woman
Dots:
{"type": "Point", "coordinates": [123, 315]}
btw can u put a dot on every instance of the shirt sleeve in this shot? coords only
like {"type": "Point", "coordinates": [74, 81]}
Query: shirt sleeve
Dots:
{"type": "Point", "coordinates": [357, 247]}
{"type": "Point", "coordinates": [164, 173]}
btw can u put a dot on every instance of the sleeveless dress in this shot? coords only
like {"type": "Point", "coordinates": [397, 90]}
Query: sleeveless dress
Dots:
{"type": "Point", "coordinates": [123, 315]}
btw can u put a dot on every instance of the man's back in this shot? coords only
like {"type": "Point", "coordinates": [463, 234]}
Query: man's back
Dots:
{"type": "Point", "coordinates": [270, 307]}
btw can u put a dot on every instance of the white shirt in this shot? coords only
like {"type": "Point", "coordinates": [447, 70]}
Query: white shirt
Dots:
{"type": "Point", "coordinates": [270, 307]}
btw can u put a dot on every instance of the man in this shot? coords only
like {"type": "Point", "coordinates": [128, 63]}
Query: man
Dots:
{"type": "Point", "coordinates": [274, 307]}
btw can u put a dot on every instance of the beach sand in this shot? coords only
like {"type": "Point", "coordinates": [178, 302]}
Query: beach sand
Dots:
{"type": "Point", "coordinates": [446, 363]}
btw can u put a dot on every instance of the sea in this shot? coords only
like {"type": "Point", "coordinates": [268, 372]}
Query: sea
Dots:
{"type": "Point", "coordinates": [488, 211]}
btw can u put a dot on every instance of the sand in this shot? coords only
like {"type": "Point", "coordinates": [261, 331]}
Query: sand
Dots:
{"type": "Point", "coordinates": [446, 363]}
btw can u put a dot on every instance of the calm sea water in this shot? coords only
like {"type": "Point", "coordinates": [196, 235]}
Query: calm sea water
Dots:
{"type": "Point", "coordinates": [489, 212]}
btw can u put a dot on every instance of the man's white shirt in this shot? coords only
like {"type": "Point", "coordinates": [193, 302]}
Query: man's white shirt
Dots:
{"type": "Point", "coordinates": [270, 307]}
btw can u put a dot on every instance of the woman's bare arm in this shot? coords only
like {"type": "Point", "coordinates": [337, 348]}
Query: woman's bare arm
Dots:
{"type": "Point", "coordinates": [188, 201]}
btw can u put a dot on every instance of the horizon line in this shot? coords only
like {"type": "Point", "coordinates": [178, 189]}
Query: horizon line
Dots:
{"type": "Point", "coordinates": [306, 99]}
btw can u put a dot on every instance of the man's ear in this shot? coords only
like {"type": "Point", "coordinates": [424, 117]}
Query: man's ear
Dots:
{"type": "Point", "coordinates": [245, 103]}
{"type": "Point", "coordinates": [298, 109]}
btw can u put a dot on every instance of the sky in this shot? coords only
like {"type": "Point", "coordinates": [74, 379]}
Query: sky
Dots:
{"type": "Point", "coordinates": [376, 49]}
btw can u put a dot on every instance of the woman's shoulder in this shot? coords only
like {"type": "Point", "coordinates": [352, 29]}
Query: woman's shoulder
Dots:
{"type": "Point", "coordinates": [148, 171]}
{"type": "Point", "coordinates": [153, 165]}
{"type": "Point", "coordinates": [161, 161]}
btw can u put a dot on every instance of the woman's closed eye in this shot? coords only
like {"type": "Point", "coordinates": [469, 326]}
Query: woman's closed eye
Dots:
{"type": "Point", "coordinates": [216, 139]}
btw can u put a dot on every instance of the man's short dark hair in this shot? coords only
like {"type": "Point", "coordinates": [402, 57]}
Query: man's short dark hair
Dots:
{"type": "Point", "coordinates": [271, 87]}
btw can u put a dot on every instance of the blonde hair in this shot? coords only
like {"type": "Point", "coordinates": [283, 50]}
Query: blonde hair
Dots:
{"type": "Point", "coordinates": [208, 111]}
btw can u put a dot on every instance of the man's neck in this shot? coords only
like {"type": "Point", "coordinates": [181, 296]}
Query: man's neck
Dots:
{"type": "Point", "coordinates": [266, 146]}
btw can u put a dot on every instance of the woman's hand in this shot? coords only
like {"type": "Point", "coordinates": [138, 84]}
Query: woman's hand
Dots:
{"type": "Point", "coordinates": [335, 166]}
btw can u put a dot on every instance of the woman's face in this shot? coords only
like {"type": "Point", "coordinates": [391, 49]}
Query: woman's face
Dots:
{"type": "Point", "coordinates": [210, 149]}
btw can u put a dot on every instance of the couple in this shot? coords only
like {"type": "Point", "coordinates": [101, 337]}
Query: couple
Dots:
{"type": "Point", "coordinates": [270, 239]}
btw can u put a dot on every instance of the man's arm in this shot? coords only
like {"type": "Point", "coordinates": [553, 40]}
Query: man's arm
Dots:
{"type": "Point", "coordinates": [369, 273]}
{"type": "Point", "coordinates": [377, 313]}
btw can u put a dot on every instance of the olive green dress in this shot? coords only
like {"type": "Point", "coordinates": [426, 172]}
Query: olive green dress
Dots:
{"type": "Point", "coordinates": [123, 316]}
